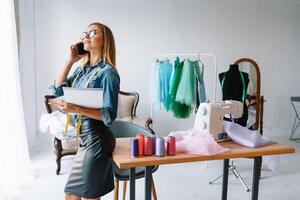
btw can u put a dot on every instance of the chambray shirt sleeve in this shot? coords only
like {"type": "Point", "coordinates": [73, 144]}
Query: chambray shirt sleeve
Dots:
{"type": "Point", "coordinates": [58, 90]}
{"type": "Point", "coordinates": [111, 87]}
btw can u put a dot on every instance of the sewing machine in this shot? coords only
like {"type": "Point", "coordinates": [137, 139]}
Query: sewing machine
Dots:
{"type": "Point", "coordinates": [209, 117]}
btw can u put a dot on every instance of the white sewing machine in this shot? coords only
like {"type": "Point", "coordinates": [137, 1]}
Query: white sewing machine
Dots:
{"type": "Point", "coordinates": [209, 117]}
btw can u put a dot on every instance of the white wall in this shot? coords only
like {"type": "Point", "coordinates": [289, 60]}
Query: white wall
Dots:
{"type": "Point", "coordinates": [267, 31]}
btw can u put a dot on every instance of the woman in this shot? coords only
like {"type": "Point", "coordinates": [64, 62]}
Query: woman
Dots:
{"type": "Point", "coordinates": [91, 176]}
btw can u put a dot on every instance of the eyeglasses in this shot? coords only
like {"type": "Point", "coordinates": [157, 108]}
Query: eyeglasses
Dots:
{"type": "Point", "coordinates": [88, 34]}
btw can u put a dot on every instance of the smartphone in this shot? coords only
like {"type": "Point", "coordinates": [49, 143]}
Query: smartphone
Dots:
{"type": "Point", "coordinates": [80, 49]}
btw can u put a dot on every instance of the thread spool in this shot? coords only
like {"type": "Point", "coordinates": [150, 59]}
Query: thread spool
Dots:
{"type": "Point", "coordinates": [160, 147]}
{"type": "Point", "coordinates": [171, 146]}
{"type": "Point", "coordinates": [153, 144]}
{"type": "Point", "coordinates": [134, 148]}
{"type": "Point", "coordinates": [140, 138]}
{"type": "Point", "coordinates": [148, 146]}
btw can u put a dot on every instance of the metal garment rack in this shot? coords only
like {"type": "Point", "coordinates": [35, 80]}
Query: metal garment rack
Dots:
{"type": "Point", "coordinates": [198, 55]}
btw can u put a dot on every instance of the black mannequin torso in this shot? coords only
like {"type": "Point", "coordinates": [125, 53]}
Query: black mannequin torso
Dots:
{"type": "Point", "coordinates": [233, 88]}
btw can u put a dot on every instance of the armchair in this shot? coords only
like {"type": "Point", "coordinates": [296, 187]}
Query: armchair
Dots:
{"type": "Point", "coordinates": [61, 147]}
{"type": "Point", "coordinates": [127, 105]}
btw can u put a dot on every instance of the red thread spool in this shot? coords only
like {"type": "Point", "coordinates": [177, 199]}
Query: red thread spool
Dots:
{"type": "Point", "coordinates": [148, 146]}
{"type": "Point", "coordinates": [171, 146]}
{"type": "Point", "coordinates": [140, 138]}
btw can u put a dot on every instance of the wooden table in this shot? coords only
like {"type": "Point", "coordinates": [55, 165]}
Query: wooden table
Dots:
{"type": "Point", "coordinates": [121, 157]}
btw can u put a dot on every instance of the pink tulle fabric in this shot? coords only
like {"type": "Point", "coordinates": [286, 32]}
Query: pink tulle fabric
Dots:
{"type": "Point", "coordinates": [196, 142]}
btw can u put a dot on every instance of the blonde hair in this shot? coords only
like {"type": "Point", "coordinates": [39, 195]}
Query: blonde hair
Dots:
{"type": "Point", "coordinates": [109, 48]}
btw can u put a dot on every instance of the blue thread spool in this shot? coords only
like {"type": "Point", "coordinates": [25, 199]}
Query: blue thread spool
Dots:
{"type": "Point", "coordinates": [160, 147]}
{"type": "Point", "coordinates": [134, 148]}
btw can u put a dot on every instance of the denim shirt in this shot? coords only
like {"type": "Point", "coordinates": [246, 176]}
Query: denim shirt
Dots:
{"type": "Point", "coordinates": [107, 79]}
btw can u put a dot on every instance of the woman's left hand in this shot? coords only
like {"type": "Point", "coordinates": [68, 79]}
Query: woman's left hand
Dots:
{"type": "Point", "coordinates": [67, 107]}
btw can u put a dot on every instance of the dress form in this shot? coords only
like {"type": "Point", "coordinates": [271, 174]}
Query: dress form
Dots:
{"type": "Point", "coordinates": [234, 87]}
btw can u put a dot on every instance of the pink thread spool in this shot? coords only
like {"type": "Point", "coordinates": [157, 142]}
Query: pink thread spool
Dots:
{"type": "Point", "coordinates": [171, 146]}
{"type": "Point", "coordinates": [148, 146]}
{"type": "Point", "coordinates": [140, 138]}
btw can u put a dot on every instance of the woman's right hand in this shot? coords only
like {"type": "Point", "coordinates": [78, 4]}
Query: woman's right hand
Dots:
{"type": "Point", "coordinates": [73, 57]}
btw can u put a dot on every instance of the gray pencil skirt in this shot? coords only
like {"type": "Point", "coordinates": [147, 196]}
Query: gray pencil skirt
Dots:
{"type": "Point", "coordinates": [91, 175]}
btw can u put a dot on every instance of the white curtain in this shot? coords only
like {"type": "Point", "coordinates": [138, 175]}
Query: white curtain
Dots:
{"type": "Point", "coordinates": [15, 167]}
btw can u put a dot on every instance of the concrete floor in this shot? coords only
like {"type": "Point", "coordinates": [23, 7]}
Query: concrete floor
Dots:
{"type": "Point", "coordinates": [180, 181]}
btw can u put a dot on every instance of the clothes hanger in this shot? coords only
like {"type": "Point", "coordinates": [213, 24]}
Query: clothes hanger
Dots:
{"type": "Point", "coordinates": [200, 61]}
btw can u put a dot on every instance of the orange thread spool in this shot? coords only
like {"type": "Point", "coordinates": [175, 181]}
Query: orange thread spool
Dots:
{"type": "Point", "coordinates": [140, 138]}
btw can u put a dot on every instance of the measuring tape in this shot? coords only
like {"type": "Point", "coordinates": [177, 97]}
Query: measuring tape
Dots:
{"type": "Point", "coordinates": [79, 119]}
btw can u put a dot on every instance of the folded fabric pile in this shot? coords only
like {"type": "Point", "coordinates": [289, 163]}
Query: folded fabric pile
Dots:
{"type": "Point", "coordinates": [196, 142]}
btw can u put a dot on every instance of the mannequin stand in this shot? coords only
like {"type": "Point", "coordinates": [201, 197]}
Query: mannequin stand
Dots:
{"type": "Point", "coordinates": [232, 169]}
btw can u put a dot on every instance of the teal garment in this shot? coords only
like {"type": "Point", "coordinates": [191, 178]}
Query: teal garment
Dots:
{"type": "Point", "coordinates": [199, 71]}
{"type": "Point", "coordinates": [171, 84]}
{"type": "Point", "coordinates": [165, 70]}
{"type": "Point", "coordinates": [179, 110]}
{"type": "Point", "coordinates": [186, 88]}
{"type": "Point", "coordinates": [157, 86]}
{"type": "Point", "coordinates": [201, 86]}
{"type": "Point", "coordinates": [176, 63]}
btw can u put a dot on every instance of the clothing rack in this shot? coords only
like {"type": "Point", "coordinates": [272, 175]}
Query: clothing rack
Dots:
{"type": "Point", "coordinates": [198, 55]}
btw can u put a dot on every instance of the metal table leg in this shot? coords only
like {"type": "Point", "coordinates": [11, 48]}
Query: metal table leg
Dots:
{"type": "Point", "coordinates": [225, 179]}
{"type": "Point", "coordinates": [256, 176]}
{"type": "Point", "coordinates": [132, 183]}
{"type": "Point", "coordinates": [148, 174]}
